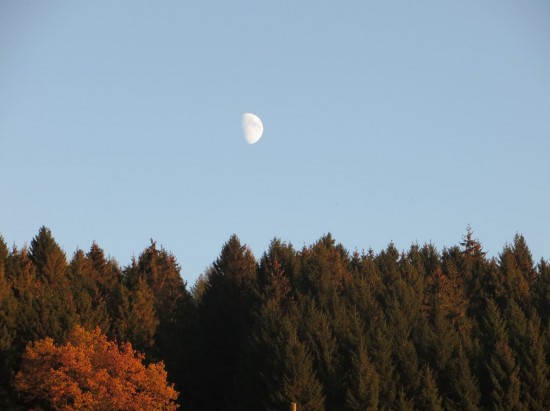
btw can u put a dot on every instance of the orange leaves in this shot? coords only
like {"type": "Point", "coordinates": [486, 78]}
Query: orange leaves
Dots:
{"type": "Point", "coordinates": [89, 372]}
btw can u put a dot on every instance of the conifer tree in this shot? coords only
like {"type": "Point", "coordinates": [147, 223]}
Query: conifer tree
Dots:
{"type": "Point", "coordinates": [225, 319]}
{"type": "Point", "coordinates": [541, 292]}
{"type": "Point", "coordinates": [463, 392]}
{"type": "Point", "coordinates": [527, 347]}
{"type": "Point", "coordinates": [8, 314]}
{"type": "Point", "coordinates": [47, 256]}
{"type": "Point", "coordinates": [323, 345]}
{"type": "Point", "coordinates": [136, 320]}
{"type": "Point", "coordinates": [429, 398]}
{"type": "Point", "coordinates": [259, 374]}
{"type": "Point", "coordinates": [362, 381]}
{"type": "Point", "coordinates": [325, 272]}
{"type": "Point", "coordinates": [90, 303]}
{"type": "Point", "coordinates": [55, 304]}
{"type": "Point", "coordinates": [502, 371]}
{"type": "Point", "coordinates": [4, 252]}
{"type": "Point", "coordinates": [517, 272]}
{"type": "Point", "coordinates": [158, 269]}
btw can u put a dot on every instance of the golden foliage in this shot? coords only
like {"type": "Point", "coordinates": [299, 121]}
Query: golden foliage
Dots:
{"type": "Point", "coordinates": [91, 373]}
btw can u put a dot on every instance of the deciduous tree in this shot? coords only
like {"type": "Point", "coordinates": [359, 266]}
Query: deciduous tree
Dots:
{"type": "Point", "coordinates": [90, 372]}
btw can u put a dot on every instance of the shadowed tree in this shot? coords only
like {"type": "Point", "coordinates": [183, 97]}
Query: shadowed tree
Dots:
{"type": "Point", "coordinates": [158, 270]}
{"type": "Point", "coordinates": [503, 391]}
{"type": "Point", "coordinates": [8, 315]}
{"type": "Point", "coordinates": [428, 398]}
{"type": "Point", "coordinates": [362, 381]}
{"type": "Point", "coordinates": [225, 319]}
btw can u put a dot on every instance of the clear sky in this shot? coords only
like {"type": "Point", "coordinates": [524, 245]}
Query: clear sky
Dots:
{"type": "Point", "coordinates": [120, 121]}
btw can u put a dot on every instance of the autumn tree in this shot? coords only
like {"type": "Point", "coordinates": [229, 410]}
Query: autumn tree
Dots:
{"type": "Point", "coordinates": [89, 372]}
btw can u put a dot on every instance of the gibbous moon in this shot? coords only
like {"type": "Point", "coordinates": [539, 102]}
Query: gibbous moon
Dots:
{"type": "Point", "coordinates": [252, 128]}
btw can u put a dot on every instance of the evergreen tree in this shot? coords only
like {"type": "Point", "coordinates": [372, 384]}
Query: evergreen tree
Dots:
{"type": "Point", "coordinates": [517, 272]}
{"type": "Point", "coordinates": [136, 320]}
{"type": "Point", "coordinates": [299, 383]}
{"type": "Point", "coordinates": [54, 304]}
{"type": "Point", "coordinates": [527, 346]}
{"type": "Point", "coordinates": [173, 307]}
{"type": "Point", "coordinates": [8, 315]}
{"type": "Point", "coordinates": [463, 392]}
{"type": "Point", "coordinates": [90, 301]}
{"type": "Point", "coordinates": [362, 381]}
{"type": "Point", "coordinates": [501, 367]}
{"type": "Point", "coordinates": [541, 292]}
{"type": "Point", "coordinates": [429, 398]}
{"type": "Point", "coordinates": [259, 374]}
{"type": "Point", "coordinates": [4, 252]}
{"type": "Point", "coordinates": [225, 321]}
{"type": "Point", "coordinates": [47, 256]}
{"type": "Point", "coordinates": [324, 347]}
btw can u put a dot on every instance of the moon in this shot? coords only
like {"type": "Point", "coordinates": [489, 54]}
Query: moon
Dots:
{"type": "Point", "coordinates": [252, 128]}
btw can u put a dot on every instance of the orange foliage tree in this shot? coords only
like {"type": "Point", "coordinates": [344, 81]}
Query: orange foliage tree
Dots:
{"type": "Point", "coordinates": [89, 372]}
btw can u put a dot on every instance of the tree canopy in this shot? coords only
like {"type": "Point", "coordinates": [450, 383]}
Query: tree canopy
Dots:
{"type": "Point", "coordinates": [89, 372]}
{"type": "Point", "coordinates": [321, 326]}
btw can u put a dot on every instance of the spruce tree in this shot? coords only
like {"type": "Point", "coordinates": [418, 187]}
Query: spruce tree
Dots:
{"type": "Point", "coordinates": [299, 383]}
{"type": "Point", "coordinates": [225, 321]}
{"type": "Point", "coordinates": [463, 392]}
{"type": "Point", "coordinates": [428, 398]}
{"type": "Point", "coordinates": [502, 369]}
{"type": "Point", "coordinates": [8, 315]}
{"type": "Point", "coordinates": [90, 302]}
{"type": "Point", "coordinates": [362, 381]}
{"type": "Point", "coordinates": [47, 256]}
{"type": "Point", "coordinates": [541, 292]}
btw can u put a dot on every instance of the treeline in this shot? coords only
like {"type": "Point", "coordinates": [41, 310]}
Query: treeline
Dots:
{"type": "Point", "coordinates": [320, 326]}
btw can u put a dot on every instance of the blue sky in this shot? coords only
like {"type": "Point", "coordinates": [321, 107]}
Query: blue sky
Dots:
{"type": "Point", "coordinates": [120, 121]}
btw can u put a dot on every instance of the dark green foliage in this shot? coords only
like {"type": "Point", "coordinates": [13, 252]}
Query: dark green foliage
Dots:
{"type": "Point", "coordinates": [136, 319]}
{"type": "Point", "coordinates": [89, 297]}
{"type": "Point", "coordinates": [429, 398]}
{"type": "Point", "coordinates": [362, 381]}
{"type": "Point", "coordinates": [318, 326]}
{"type": "Point", "coordinates": [47, 257]}
{"type": "Point", "coordinates": [225, 320]}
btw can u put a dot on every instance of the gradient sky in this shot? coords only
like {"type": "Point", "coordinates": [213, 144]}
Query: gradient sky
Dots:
{"type": "Point", "coordinates": [120, 121]}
